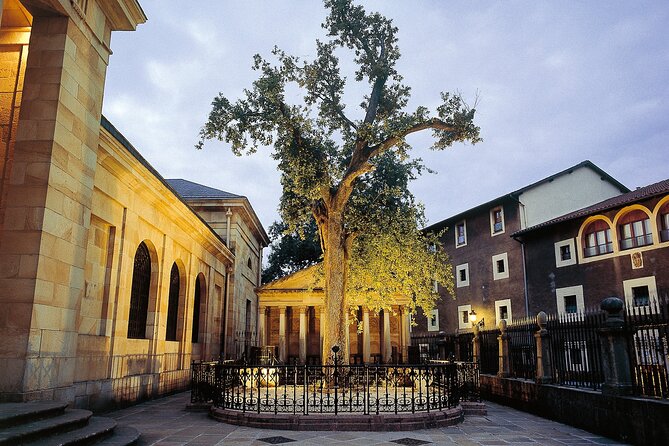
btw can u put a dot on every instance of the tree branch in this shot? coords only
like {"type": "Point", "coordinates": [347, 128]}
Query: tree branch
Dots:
{"type": "Point", "coordinates": [434, 123]}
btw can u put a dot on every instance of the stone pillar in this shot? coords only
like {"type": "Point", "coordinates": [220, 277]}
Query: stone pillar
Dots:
{"type": "Point", "coordinates": [262, 326]}
{"type": "Point", "coordinates": [366, 346]}
{"type": "Point", "coordinates": [282, 334]}
{"type": "Point", "coordinates": [544, 364]}
{"type": "Point", "coordinates": [504, 359]}
{"type": "Point", "coordinates": [615, 354]}
{"type": "Point", "coordinates": [303, 335]}
{"type": "Point", "coordinates": [407, 335]}
{"type": "Point", "coordinates": [476, 344]}
{"type": "Point", "coordinates": [387, 346]}
{"type": "Point", "coordinates": [403, 338]}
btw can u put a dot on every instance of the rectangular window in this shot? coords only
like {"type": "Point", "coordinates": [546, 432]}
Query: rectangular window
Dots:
{"type": "Point", "coordinates": [462, 275]}
{"type": "Point", "coordinates": [463, 317]}
{"type": "Point", "coordinates": [460, 234]}
{"type": "Point", "coordinates": [565, 253]}
{"type": "Point", "coordinates": [570, 299]}
{"type": "Point", "coordinates": [433, 320]}
{"type": "Point", "coordinates": [598, 243]}
{"type": "Point", "coordinates": [570, 305]}
{"type": "Point", "coordinates": [640, 296]}
{"type": "Point", "coordinates": [500, 269]}
{"type": "Point", "coordinates": [664, 232]}
{"type": "Point", "coordinates": [497, 221]}
{"type": "Point", "coordinates": [503, 311]}
{"type": "Point", "coordinates": [636, 233]}
{"type": "Point", "coordinates": [641, 292]}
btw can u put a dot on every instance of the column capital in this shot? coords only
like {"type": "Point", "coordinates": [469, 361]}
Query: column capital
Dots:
{"type": "Point", "coordinates": [303, 308]}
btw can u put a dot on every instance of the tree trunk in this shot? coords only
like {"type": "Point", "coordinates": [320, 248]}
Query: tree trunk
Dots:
{"type": "Point", "coordinates": [335, 265]}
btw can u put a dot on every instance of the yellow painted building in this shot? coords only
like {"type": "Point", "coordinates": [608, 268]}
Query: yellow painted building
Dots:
{"type": "Point", "coordinates": [110, 283]}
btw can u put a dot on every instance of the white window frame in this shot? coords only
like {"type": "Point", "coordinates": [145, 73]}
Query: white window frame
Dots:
{"type": "Point", "coordinates": [492, 221]}
{"type": "Point", "coordinates": [461, 283]}
{"type": "Point", "coordinates": [583, 348]}
{"type": "Point", "coordinates": [501, 303]}
{"type": "Point", "coordinates": [462, 309]}
{"type": "Point", "coordinates": [503, 275]}
{"type": "Point", "coordinates": [434, 314]}
{"type": "Point", "coordinates": [559, 263]}
{"type": "Point", "coordinates": [577, 291]}
{"type": "Point", "coordinates": [648, 281]}
{"type": "Point", "coordinates": [464, 223]}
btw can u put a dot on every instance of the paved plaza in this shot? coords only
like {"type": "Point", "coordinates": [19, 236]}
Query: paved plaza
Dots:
{"type": "Point", "coordinates": [166, 422]}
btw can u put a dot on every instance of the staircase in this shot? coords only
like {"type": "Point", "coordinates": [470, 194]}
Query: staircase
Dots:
{"type": "Point", "coordinates": [50, 423]}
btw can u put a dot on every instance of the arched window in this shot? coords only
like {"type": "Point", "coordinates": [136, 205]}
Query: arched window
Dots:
{"type": "Point", "coordinates": [634, 229]}
{"type": "Point", "coordinates": [173, 305]}
{"type": "Point", "coordinates": [196, 309]}
{"type": "Point", "coordinates": [664, 223]}
{"type": "Point", "coordinates": [139, 296]}
{"type": "Point", "coordinates": [597, 239]}
{"type": "Point", "coordinates": [249, 264]}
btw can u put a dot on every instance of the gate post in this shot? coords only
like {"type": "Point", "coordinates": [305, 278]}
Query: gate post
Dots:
{"type": "Point", "coordinates": [615, 355]}
{"type": "Point", "coordinates": [476, 344]}
{"type": "Point", "coordinates": [544, 364]}
{"type": "Point", "coordinates": [504, 359]}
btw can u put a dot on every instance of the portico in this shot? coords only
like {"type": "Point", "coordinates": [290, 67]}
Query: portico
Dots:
{"type": "Point", "coordinates": [290, 314]}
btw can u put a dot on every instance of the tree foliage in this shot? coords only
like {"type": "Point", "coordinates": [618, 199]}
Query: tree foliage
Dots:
{"type": "Point", "coordinates": [332, 159]}
{"type": "Point", "coordinates": [291, 251]}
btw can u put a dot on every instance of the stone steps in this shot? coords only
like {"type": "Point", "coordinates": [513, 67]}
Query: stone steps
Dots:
{"type": "Point", "coordinates": [51, 424]}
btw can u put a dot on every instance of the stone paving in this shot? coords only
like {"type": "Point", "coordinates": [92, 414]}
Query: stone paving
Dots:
{"type": "Point", "coordinates": [166, 422]}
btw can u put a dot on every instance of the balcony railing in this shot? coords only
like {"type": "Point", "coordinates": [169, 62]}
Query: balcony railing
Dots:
{"type": "Point", "coordinates": [597, 250]}
{"type": "Point", "coordinates": [664, 235]}
{"type": "Point", "coordinates": [634, 242]}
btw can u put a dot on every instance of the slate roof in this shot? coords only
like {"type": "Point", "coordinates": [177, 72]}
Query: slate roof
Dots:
{"type": "Point", "coordinates": [190, 190]}
{"type": "Point", "coordinates": [516, 194]}
{"type": "Point", "coordinates": [642, 193]}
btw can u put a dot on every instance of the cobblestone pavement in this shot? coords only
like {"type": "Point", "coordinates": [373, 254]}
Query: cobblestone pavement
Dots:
{"type": "Point", "coordinates": [166, 422]}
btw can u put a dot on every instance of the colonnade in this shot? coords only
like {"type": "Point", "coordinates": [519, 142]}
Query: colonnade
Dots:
{"type": "Point", "coordinates": [393, 331]}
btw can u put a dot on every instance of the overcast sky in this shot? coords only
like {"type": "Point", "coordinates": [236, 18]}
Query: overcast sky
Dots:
{"type": "Point", "coordinates": [558, 83]}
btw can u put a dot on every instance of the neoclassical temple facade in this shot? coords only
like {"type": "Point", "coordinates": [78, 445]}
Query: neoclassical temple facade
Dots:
{"type": "Point", "coordinates": [110, 282]}
{"type": "Point", "coordinates": [291, 309]}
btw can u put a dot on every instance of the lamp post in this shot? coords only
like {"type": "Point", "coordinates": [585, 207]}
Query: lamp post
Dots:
{"type": "Point", "coordinates": [473, 317]}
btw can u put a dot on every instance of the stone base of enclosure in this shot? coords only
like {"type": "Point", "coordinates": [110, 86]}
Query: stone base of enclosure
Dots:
{"type": "Point", "coordinates": [345, 422]}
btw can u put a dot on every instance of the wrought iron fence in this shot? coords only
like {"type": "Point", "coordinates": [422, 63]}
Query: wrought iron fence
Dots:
{"type": "Point", "coordinates": [334, 389]}
{"type": "Point", "coordinates": [489, 344]}
{"type": "Point", "coordinates": [647, 328]}
{"type": "Point", "coordinates": [522, 348]}
{"type": "Point", "coordinates": [576, 349]}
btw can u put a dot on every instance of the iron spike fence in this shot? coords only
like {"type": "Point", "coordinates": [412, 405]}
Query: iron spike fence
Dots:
{"type": "Point", "coordinates": [576, 349]}
{"type": "Point", "coordinates": [489, 351]}
{"type": "Point", "coordinates": [647, 327]}
{"type": "Point", "coordinates": [523, 348]}
{"type": "Point", "coordinates": [334, 389]}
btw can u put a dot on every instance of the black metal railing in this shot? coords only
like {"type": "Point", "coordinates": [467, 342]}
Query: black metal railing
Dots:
{"type": "Point", "coordinates": [576, 349]}
{"type": "Point", "coordinates": [334, 389]}
{"type": "Point", "coordinates": [633, 242]}
{"type": "Point", "coordinates": [647, 330]}
{"type": "Point", "coordinates": [664, 235]}
{"type": "Point", "coordinates": [591, 251]}
{"type": "Point", "coordinates": [522, 348]}
{"type": "Point", "coordinates": [489, 351]}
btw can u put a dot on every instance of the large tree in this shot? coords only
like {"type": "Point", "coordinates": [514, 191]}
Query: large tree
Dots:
{"type": "Point", "coordinates": [327, 157]}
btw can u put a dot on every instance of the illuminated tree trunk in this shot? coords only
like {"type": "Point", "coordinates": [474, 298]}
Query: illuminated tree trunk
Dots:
{"type": "Point", "coordinates": [335, 264]}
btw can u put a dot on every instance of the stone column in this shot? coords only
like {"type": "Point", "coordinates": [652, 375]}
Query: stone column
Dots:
{"type": "Point", "coordinates": [387, 347]}
{"type": "Point", "coordinates": [303, 335]}
{"type": "Point", "coordinates": [476, 344]}
{"type": "Point", "coordinates": [504, 359]}
{"type": "Point", "coordinates": [402, 337]}
{"type": "Point", "coordinates": [544, 365]}
{"type": "Point", "coordinates": [282, 334]}
{"type": "Point", "coordinates": [366, 346]}
{"type": "Point", "coordinates": [615, 354]}
{"type": "Point", "coordinates": [262, 326]}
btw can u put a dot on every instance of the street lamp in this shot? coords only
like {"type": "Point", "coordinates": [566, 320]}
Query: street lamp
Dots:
{"type": "Point", "coordinates": [473, 317]}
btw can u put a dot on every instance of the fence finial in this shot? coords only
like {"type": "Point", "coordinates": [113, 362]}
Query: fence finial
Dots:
{"type": "Point", "coordinates": [542, 320]}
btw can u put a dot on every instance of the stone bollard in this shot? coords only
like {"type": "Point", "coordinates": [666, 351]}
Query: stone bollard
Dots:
{"type": "Point", "coordinates": [476, 345]}
{"type": "Point", "coordinates": [544, 364]}
{"type": "Point", "coordinates": [504, 359]}
{"type": "Point", "coordinates": [615, 356]}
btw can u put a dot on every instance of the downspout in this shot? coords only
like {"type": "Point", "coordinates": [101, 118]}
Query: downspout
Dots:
{"type": "Point", "coordinates": [228, 215]}
{"type": "Point", "coordinates": [226, 302]}
{"type": "Point", "coordinates": [523, 222]}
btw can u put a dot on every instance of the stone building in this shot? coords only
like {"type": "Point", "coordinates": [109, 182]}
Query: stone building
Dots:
{"type": "Point", "coordinates": [617, 247]}
{"type": "Point", "coordinates": [290, 314]}
{"type": "Point", "coordinates": [488, 264]}
{"type": "Point", "coordinates": [110, 283]}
